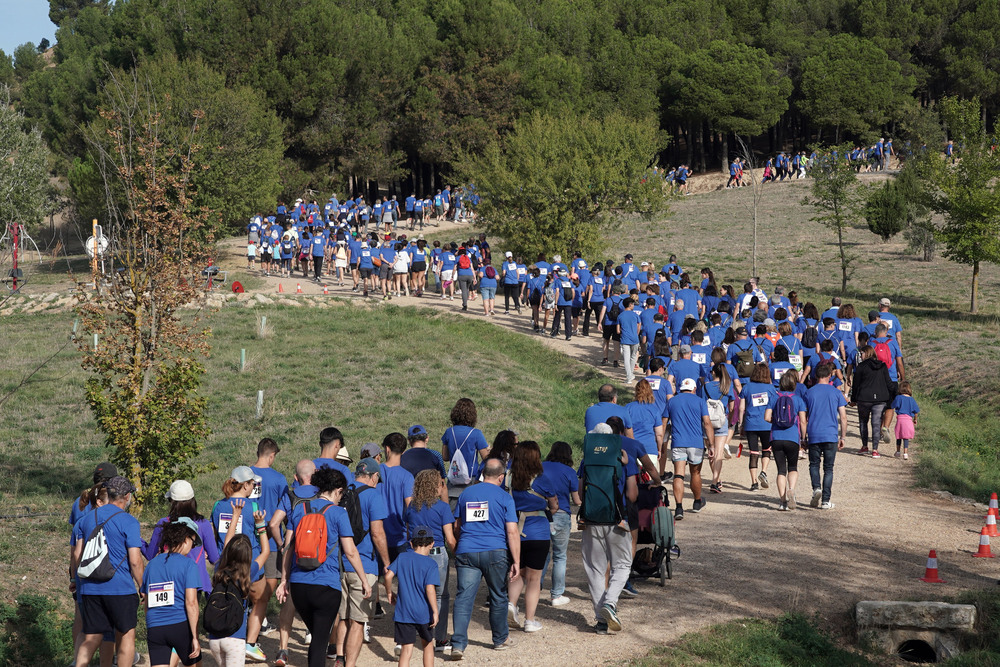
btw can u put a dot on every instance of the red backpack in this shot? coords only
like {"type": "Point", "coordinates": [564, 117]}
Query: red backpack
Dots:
{"type": "Point", "coordinates": [310, 539]}
{"type": "Point", "coordinates": [884, 353]}
{"type": "Point", "coordinates": [464, 262]}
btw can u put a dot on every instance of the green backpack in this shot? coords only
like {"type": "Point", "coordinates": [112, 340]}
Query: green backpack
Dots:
{"type": "Point", "coordinates": [599, 478]}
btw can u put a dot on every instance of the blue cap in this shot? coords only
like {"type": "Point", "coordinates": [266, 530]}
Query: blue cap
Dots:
{"type": "Point", "coordinates": [416, 430]}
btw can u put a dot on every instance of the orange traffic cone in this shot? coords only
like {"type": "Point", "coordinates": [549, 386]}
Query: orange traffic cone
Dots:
{"type": "Point", "coordinates": [984, 546]}
{"type": "Point", "coordinates": [993, 501]}
{"type": "Point", "coordinates": [991, 526]}
{"type": "Point", "coordinates": [281, 288]}
{"type": "Point", "coordinates": [931, 573]}
{"type": "Point", "coordinates": [298, 288]}
{"type": "Point", "coordinates": [993, 506]}
{"type": "Point", "coordinates": [326, 290]}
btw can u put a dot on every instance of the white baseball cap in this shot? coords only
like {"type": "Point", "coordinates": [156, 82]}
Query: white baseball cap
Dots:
{"type": "Point", "coordinates": [508, 254]}
{"type": "Point", "coordinates": [688, 385]}
{"type": "Point", "coordinates": [244, 474]}
{"type": "Point", "coordinates": [180, 490]}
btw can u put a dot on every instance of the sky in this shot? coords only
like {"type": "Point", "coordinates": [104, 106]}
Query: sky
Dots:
{"type": "Point", "coordinates": [24, 21]}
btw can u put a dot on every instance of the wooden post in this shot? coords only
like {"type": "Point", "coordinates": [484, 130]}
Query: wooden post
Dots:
{"type": "Point", "coordinates": [93, 261]}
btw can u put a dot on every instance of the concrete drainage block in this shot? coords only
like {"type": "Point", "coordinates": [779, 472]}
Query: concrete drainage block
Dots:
{"type": "Point", "coordinates": [918, 632]}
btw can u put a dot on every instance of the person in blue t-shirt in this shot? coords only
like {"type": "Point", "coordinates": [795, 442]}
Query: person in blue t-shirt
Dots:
{"type": "Point", "coordinates": [785, 440]}
{"type": "Point", "coordinates": [719, 386]}
{"type": "Point", "coordinates": [428, 510]}
{"type": "Point", "coordinates": [510, 276]}
{"type": "Point", "coordinates": [906, 410]}
{"type": "Point", "coordinates": [827, 425]}
{"type": "Point", "coordinates": [628, 331]}
{"type": "Point", "coordinates": [647, 418]}
{"type": "Point", "coordinates": [689, 420]}
{"type": "Point", "coordinates": [397, 490]}
{"type": "Point", "coordinates": [565, 294]}
{"type": "Point", "coordinates": [317, 592]}
{"type": "Point", "coordinates": [562, 480]}
{"type": "Point", "coordinates": [606, 407]}
{"type": "Point", "coordinates": [757, 394]}
{"type": "Point", "coordinates": [463, 436]}
{"type": "Point", "coordinates": [417, 612]}
{"type": "Point", "coordinates": [684, 368]}
{"type": "Point", "coordinates": [170, 585]}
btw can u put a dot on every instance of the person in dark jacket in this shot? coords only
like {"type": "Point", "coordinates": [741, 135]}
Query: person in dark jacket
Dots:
{"type": "Point", "coordinates": [872, 391]}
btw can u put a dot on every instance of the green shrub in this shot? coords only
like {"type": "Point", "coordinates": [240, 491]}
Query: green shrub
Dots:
{"type": "Point", "coordinates": [33, 632]}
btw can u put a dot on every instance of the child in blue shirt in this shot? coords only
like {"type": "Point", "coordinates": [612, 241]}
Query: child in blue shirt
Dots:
{"type": "Point", "coordinates": [416, 611]}
{"type": "Point", "coordinates": [906, 418]}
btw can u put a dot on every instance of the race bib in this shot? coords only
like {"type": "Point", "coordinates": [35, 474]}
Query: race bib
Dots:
{"type": "Point", "coordinates": [844, 325]}
{"type": "Point", "coordinates": [522, 272]}
{"type": "Point", "coordinates": [226, 519]}
{"type": "Point", "coordinates": [255, 494]}
{"type": "Point", "coordinates": [698, 358]}
{"type": "Point", "coordinates": [796, 360]}
{"type": "Point", "coordinates": [477, 511]}
{"type": "Point", "coordinates": [654, 383]}
{"type": "Point", "coordinates": [888, 324]}
{"type": "Point", "coordinates": [778, 372]}
{"type": "Point", "coordinates": [161, 595]}
{"type": "Point", "coordinates": [758, 400]}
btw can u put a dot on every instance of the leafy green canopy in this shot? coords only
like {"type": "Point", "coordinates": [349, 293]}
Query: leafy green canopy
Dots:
{"type": "Point", "coordinates": [23, 167]}
{"type": "Point", "coordinates": [552, 184]}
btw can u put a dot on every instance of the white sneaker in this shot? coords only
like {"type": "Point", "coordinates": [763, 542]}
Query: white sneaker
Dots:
{"type": "Point", "coordinates": [726, 452]}
{"type": "Point", "coordinates": [368, 634]}
{"type": "Point", "coordinates": [309, 639]}
{"type": "Point", "coordinates": [827, 506]}
{"type": "Point", "coordinates": [513, 619]}
{"type": "Point", "coordinates": [397, 649]}
{"type": "Point", "coordinates": [817, 495]}
{"type": "Point", "coordinates": [560, 601]}
{"type": "Point", "coordinates": [532, 626]}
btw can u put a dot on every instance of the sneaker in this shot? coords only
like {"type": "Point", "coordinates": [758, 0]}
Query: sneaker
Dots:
{"type": "Point", "coordinates": [791, 502]}
{"type": "Point", "coordinates": [560, 601]}
{"type": "Point", "coordinates": [331, 651]}
{"type": "Point", "coordinates": [457, 654]}
{"type": "Point", "coordinates": [265, 627]}
{"type": "Point", "coordinates": [678, 513]}
{"type": "Point", "coordinates": [715, 488]}
{"type": "Point", "coordinates": [282, 659]}
{"type": "Point", "coordinates": [254, 653]}
{"type": "Point", "coordinates": [367, 637]}
{"type": "Point", "coordinates": [604, 362]}
{"type": "Point", "coordinates": [762, 478]}
{"type": "Point", "coordinates": [875, 454]}
{"type": "Point", "coordinates": [379, 611]}
{"type": "Point", "coordinates": [906, 456]}
{"type": "Point", "coordinates": [532, 626]}
{"type": "Point", "coordinates": [826, 506]}
{"type": "Point", "coordinates": [629, 590]}
{"type": "Point", "coordinates": [610, 614]}
{"type": "Point", "coordinates": [513, 619]}
{"type": "Point", "coordinates": [782, 507]}
{"type": "Point", "coordinates": [309, 639]}
{"type": "Point", "coordinates": [666, 476]}
{"type": "Point", "coordinates": [755, 487]}
{"type": "Point", "coordinates": [863, 450]}
{"type": "Point", "coordinates": [340, 662]}
{"type": "Point", "coordinates": [896, 455]}
{"type": "Point", "coordinates": [726, 452]}
{"type": "Point", "coordinates": [802, 455]}
{"type": "Point", "coordinates": [508, 643]}
{"type": "Point", "coordinates": [601, 628]}
{"type": "Point", "coordinates": [817, 494]}
{"type": "Point", "coordinates": [442, 646]}
{"type": "Point", "coordinates": [615, 364]}
{"type": "Point", "coordinates": [886, 435]}
{"type": "Point", "coordinates": [699, 505]}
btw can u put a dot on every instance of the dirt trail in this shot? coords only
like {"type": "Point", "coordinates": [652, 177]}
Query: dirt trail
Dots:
{"type": "Point", "coordinates": [741, 557]}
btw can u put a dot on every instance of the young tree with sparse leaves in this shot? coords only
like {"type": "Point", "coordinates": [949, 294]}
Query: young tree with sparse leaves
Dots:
{"type": "Point", "coordinates": [834, 196]}
{"type": "Point", "coordinates": [146, 370]}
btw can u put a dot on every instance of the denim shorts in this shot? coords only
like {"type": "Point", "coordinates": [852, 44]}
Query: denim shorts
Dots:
{"type": "Point", "coordinates": [488, 292]}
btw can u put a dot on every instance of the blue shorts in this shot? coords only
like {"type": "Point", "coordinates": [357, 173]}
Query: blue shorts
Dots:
{"type": "Point", "coordinates": [488, 292]}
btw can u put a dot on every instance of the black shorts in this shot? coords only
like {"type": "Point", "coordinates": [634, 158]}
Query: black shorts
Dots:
{"type": "Point", "coordinates": [534, 553]}
{"type": "Point", "coordinates": [108, 613]}
{"type": "Point", "coordinates": [632, 514]}
{"type": "Point", "coordinates": [164, 638]}
{"type": "Point", "coordinates": [366, 273]}
{"type": "Point", "coordinates": [576, 311]}
{"type": "Point", "coordinates": [417, 267]}
{"type": "Point", "coordinates": [610, 332]}
{"type": "Point", "coordinates": [535, 300]}
{"type": "Point", "coordinates": [786, 456]}
{"type": "Point", "coordinates": [759, 440]}
{"type": "Point", "coordinates": [354, 266]}
{"type": "Point", "coordinates": [407, 633]}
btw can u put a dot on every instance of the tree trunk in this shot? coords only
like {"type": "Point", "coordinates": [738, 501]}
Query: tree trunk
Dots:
{"type": "Point", "coordinates": [725, 154]}
{"type": "Point", "coordinates": [843, 258]}
{"type": "Point", "coordinates": [690, 144]}
{"type": "Point", "coordinates": [836, 135]}
{"type": "Point", "coordinates": [975, 287]}
{"type": "Point", "coordinates": [703, 132]}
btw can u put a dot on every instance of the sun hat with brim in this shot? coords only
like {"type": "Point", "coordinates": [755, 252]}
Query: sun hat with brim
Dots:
{"type": "Point", "coordinates": [189, 522]}
{"type": "Point", "coordinates": [180, 490]}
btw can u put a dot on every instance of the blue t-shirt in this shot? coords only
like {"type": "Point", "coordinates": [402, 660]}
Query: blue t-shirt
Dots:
{"type": "Point", "coordinates": [489, 283]}
{"type": "Point", "coordinates": [336, 465]}
{"type": "Point", "coordinates": [268, 494]}
{"type": "Point", "coordinates": [434, 517]}
{"type": "Point", "coordinates": [337, 525]}
{"type": "Point", "coordinates": [892, 322]}
{"type": "Point", "coordinates": [535, 527]}
{"type": "Point", "coordinates": [609, 303]}
{"type": "Point", "coordinates": [414, 572]}
{"type": "Point", "coordinates": [396, 486]}
{"type": "Point", "coordinates": [470, 441]}
{"type": "Point", "coordinates": [418, 459]}
{"type": "Point", "coordinates": [822, 405]}
{"type": "Point", "coordinates": [779, 368]}
{"type": "Point", "coordinates": [255, 573]}
{"type": "Point", "coordinates": [121, 533]}
{"type": "Point", "coordinates": [484, 510]}
{"type": "Point", "coordinates": [759, 398]}
{"type": "Point", "coordinates": [894, 352]}
{"type": "Point", "coordinates": [676, 322]}
{"type": "Point", "coordinates": [222, 514]}
{"type": "Point", "coordinates": [661, 389]}
{"type": "Point", "coordinates": [691, 301]}
{"type": "Point", "coordinates": [561, 481]}
{"type": "Point", "coordinates": [791, 433]}
{"type": "Point", "coordinates": [597, 289]}
{"type": "Point", "coordinates": [645, 418]}
{"type": "Point", "coordinates": [712, 390]}
{"type": "Point", "coordinates": [599, 413]}
{"type": "Point", "coordinates": [684, 369]}
{"type": "Point", "coordinates": [905, 405]}
{"type": "Point", "coordinates": [75, 513]}
{"type": "Point", "coordinates": [372, 509]}
{"type": "Point", "coordinates": [510, 273]}
{"type": "Point", "coordinates": [628, 320]}
{"type": "Point", "coordinates": [686, 425]}
{"type": "Point", "coordinates": [165, 582]}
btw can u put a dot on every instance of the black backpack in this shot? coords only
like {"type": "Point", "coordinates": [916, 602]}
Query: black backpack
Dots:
{"type": "Point", "coordinates": [224, 610]}
{"type": "Point", "coordinates": [567, 290]}
{"type": "Point", "coordinates": [810, 337]}
{"type": "Point", "coordinates": [351, 501]}
{"type": "Point", "coordinates": [615, 310]}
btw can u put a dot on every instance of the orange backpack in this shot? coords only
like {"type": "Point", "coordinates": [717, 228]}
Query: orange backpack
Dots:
{"type": "Point", "coordinates": [310, 539]}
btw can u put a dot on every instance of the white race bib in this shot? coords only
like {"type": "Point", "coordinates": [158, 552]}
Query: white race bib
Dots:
{"type": "Point", "coordinates": [796, 360]}
{"type": "Point", "coordinates": [226, 519]}
{"type": "Point", "coordinates": [758, 400]}
{"type": "Point", "coordinates": [844, 325]}
{"type": "Point", "coordinates": [888, 324]}
{"type": "Point", "coordinates": [477, 511]}
{"type": "Point", "coordinates": [698, 358]}
{"type": "Point", "coordinates": [255, 494]}
{"type": "Point", "coordinates": [654, 382]}
{"type": "Point", "coordinates": [161, 595]}
{"type": "Point", "coordinates": [778, 372]}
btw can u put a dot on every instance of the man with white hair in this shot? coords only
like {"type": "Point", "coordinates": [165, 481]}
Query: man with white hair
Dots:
{"type": "Point", "coordinates": [688, 419]}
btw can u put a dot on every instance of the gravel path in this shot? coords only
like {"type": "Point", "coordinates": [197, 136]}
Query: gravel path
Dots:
{"type": "Point", "coordinates": [740, 556]}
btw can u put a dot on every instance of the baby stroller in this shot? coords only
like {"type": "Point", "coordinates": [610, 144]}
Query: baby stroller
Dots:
{"type": "Point", "coordinates": [656, 528]}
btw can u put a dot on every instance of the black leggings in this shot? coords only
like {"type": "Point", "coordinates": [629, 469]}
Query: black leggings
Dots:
{"type": "Point", "coordinates": [786, 456]}
{"type": "Point", "coordinates": [317, 266]}
{"type": "Point", "coordinates": [594, 307]}
{"type": "Point", "coordinates": [318, 606]}
{"type": "Point", "coordinates": [510, 292]}
{"type": "Point", "coordinates": [757, 440]}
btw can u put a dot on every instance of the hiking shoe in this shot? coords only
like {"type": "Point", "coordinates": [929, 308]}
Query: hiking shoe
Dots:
{"type": "Point", "coordinates": [755, 487]}
{"type": "Point", "coordinates": [254, 653]}
{"type": "Point", "coordinates": [442, 646]}
{"type": "Point", "coordinates": [817, 494]}
{"type": "Point", "coordinates": [508, 643]}
{"type": "Point", "coordinates": [629, 590]}
{"type": "Point", "coordinates": [610, 614]}
{"type": "Point", "coordinates": [560, 601]}
{"type": "Point", "coordinates": [863, 450]}
{"type": "Point", "coordinates": [827, 506]}
{"type": "Point", "coordinates": [266, 628]}
{"type": "Point", "coordinates": [875, 454]}
{"type": "Point", "coordinates": [886, 435]}
{"type": "Point", "coordinates": [282, 658]}
{"type": "Point", "coordinates": [790, 501]}
{"type": "Point", "coordinates": [604, 362]}
{"type": "Point", "coordinates": [457, 654]}
{"type": "Point", "coordinates": [615, 364]}
{"type": "Point", "coordinates": [762, 478]}
{"type": "Point", "coordinates": [699, 505]}
{"type": "Point", "coordinates": [678, 513]}
{"type": "Point", "coordinates": [532, 626]}
{"type": "Point", "coordinates": [513, 619]}
{"type": "Point", "coordinates": [726, 452]}
{"type": "Point", "coordinates": [367, 636]}
{"type": "Point", "coordinates": [601, 628]}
